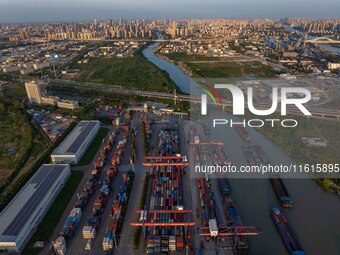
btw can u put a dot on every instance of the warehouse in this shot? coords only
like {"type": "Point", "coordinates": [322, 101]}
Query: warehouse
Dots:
{"type": "Point", "coordinates": [74, 146]}
{"type": "Point", "coordinates": [22, 215]}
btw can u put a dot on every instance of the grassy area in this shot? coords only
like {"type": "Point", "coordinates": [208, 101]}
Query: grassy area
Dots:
{"type": "Point", "coordinates": [16, 181]}
{"type": "Point", "coordinates": [93, 148]}
{"type": "Point", "coordinates": [183, 57]}
{"type": "Point", "coordinates": [230, 70]}
{"type": "Point", "coordinates": [53, 215]}
{"type": "Point", "coordinates": [16, 138]}
{"type": "Point", "coordinates": [132, 72]}
{"type": "Point", "coordinates": [220, 68]}
{"type": "Point", "coordinates": [290, 140]}
{"type": "Point", "coordinates": [15, 92]}
{"type": "Point", "coordinates": [20, 144]}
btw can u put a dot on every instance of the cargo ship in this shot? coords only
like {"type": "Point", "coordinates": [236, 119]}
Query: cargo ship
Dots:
{"type": "Point", "coordinates": [261, 154]}
{"type": "Point", "coordinates": [206, 129]}
{"type": "Point", "coordinates": [243, 133]}
{"type": "Point", "coordinates": [288, 236]}
{"type": "Point", "coordinates": [224, 186]}
{"type": "Point", "coordinates": [254, 155]}
{"type": "Point", "coordinates": [281, 192]}
{"type": "Point", "coordinates": [235, 218]}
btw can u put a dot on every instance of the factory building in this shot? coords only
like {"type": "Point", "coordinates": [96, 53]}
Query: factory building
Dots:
{"type": "Point", "coordinates": [74, 146]}
{"type": "Point", "coordinates": [20, 218]}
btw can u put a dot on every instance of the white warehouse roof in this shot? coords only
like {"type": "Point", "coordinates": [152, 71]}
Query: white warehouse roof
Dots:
{"type": "Point", "coordinates": [26, 209]}
{"type": "Point", "coordinates": [76, 139]}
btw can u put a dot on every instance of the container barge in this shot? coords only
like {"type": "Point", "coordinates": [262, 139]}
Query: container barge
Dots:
{"type": "Point", "coordinates": [281, 192]}
{"type": "Point", "coordinates": [224, 187]}
{"type": "Point", "coordinates": [255, 155]}
{"type": "Point", "coordinates": [243, 133]}
{"type": "Point", "coordinates": [206, 129]}
{"type": "Point", "coordinates": [288, 236]}
{"type": "Point", "coordinates": [235, 218]}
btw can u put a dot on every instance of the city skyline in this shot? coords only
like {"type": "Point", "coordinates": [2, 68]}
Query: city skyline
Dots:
{"type": "Point", "coordinates": [34, 11]}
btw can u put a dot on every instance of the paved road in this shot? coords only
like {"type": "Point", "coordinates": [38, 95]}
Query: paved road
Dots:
{"type": "Point", "coordinates": [210, 247]}
{"type": "Point", "coordinates": [126, 240]}
{"type": "Point", "coordinates": [77, 243]}
{"type": "Point", "coordinates": [87, 173]}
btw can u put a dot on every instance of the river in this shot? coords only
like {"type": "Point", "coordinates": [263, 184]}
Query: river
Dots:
{"type": "Point", "coordinates": [315, 215]}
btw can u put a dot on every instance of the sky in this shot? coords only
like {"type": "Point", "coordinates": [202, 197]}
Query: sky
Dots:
{"type": "Point", "coordinates": [16, 11]}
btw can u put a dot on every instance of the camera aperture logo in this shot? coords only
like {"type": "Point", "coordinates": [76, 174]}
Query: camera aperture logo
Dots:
{"type": "Point", "coordinates": [238, 105]}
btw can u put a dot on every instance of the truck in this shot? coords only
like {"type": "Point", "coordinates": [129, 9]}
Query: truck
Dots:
{"type": "Point", "coordinates": [213, 227]}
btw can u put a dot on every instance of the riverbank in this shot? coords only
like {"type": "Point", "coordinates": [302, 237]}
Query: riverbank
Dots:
{"type": "Point", "coordinates": [180, 64]}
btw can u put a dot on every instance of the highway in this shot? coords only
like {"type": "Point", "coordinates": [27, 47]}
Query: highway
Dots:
{"type": "Point", "coordinates": [316, 112]}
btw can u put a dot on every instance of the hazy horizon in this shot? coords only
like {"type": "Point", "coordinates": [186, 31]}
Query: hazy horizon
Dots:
{"type": "Point", "coordinates": [32, 11]}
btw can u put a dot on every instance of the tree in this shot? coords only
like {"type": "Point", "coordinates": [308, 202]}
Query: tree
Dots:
{"type": "Point", "coordinates": [2, 108]}
{"type": "Point", "coordinates": [327, 183]}
{"type": "Point", "coordinates": [17, 104]}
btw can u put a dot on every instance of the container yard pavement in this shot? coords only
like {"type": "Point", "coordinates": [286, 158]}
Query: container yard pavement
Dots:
{"type": "Point", "coordinates": [77, 243]}
{"type": "Point", "coordinates": [210, 247]}
{"type": "Point", "coordinates": [87, 173]}
{"type": "Point", "coordinates": [126, 240]}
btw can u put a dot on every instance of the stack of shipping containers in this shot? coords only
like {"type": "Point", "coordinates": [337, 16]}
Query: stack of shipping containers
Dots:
{"type": "Point", "coordinates": [166, 195]}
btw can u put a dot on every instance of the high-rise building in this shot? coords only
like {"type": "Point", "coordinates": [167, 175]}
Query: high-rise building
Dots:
{"type": "Point", "coordinates": [35, 91]}
{"type": "Point", "coordinates": [37, 94]}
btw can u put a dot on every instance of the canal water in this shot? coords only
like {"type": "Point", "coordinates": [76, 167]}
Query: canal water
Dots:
{"type": "Point", "coordinates": [315, 216]}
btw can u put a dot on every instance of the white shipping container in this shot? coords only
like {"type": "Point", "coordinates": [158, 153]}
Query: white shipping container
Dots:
{"type": "Point", "coordinates": [88, 245]}
{"type": "Point", "coordinates": [59, 243]}
{"type": "Point", "coordinates": [89, 232]}
{"type": "Point", "coordinates": [62, 250]}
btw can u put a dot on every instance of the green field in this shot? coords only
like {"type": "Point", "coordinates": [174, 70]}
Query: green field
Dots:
{"type": "Point", "coordinates": [131, 72]}
{"type": "Point", "coordinates": [183, 57]}
{"type": "Point", "coordinates": [16, 139]}
{"type": "Point", "coordinates": [229, 70]}
{"type": "Point", "coordinates": [46, 227]}
{"type": "Point", "coordinates": [290, 140]}
{"type": "Point", "coordinates": [93, 148]}
{"type": "Point", "coordinates": [213, 67]}
{"type": "Point", "coordinates": [20, 144]}
{"type": "Point", "coordinates": [15, 92]}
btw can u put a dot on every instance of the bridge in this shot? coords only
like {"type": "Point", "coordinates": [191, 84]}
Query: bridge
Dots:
{"type": "Point", "coordinates": [319, 40]}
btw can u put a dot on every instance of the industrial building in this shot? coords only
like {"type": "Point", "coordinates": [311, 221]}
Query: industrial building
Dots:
{"type": "Point", "coordinates": [68, 104]}
{"type": "Point", "coordinates": [74, 146]}
{"type": "Point", "coordinates": [22, 215]}
{"type": "Point", "coordinates": [37, 94]}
